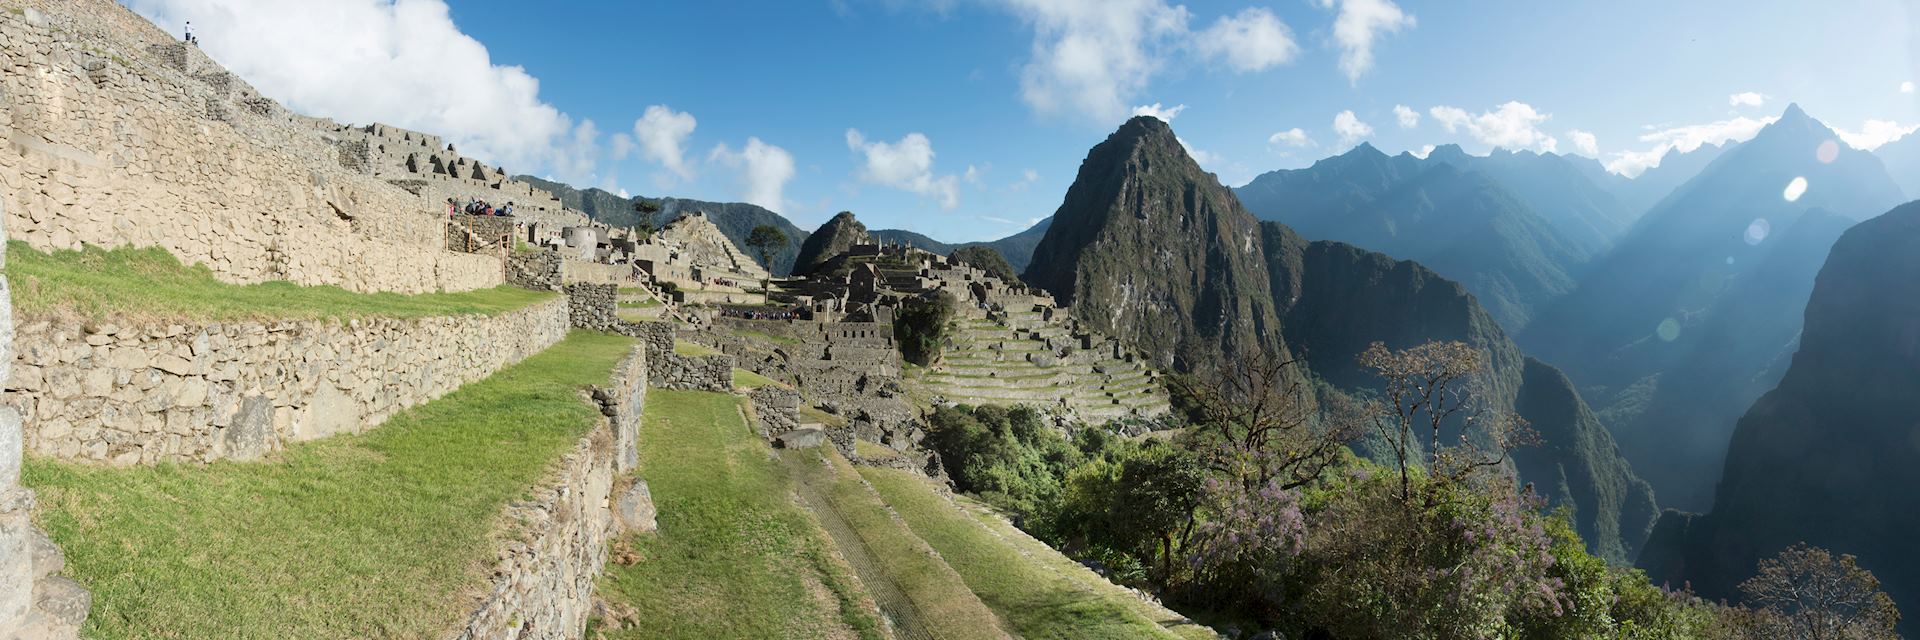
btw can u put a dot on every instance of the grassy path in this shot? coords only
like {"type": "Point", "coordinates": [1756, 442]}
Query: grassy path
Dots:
{"type": "Point", "coordinates": [357, 536]}
{"type": "Point", "coordinates": [1039, 592]}
{"type": "Point", "coordinates": [916, 590]}
{"type": "Point", "coordinates": [735, 555]}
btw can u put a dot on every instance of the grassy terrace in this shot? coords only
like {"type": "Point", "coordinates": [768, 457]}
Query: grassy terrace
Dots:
{"type": "Point", "coordinates": [1037, 591]}
{"type": "Point", "coordinates": [374, 535]}
{"type": "Point", "coordinates": [744, 379]}
{"type": "Point", "coordinates": [735, 556]}
{"type": "Point", "coordinates": [149, 284]}
{"type": "Point", "coordinates": [918, 591]}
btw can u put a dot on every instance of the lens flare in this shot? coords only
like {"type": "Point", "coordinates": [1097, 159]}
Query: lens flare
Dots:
{"type": "Point", "coordinates": [1757, 231]}
{"type": "Point", "coordinates": [1795, 189]}
{"type": "Point", "coordinates": [1669, 330]}
{"type": "Point", "coordinates": [1828, 152]}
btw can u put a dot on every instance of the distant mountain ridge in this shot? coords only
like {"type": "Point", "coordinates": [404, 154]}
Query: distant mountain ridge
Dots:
{"type": "Point", "coordinates": [1016, 248]}
{"type": "Point", "coordinates": [1830, 455]}
{"type": "Point", "coordinates": [1149, 244]}
{"type": "Point", "coordinates": [735, 219]}
{"type": "Point", "coordinates": [1676, 329]}
{"type": "Point", "coordinates": [1516, 249]}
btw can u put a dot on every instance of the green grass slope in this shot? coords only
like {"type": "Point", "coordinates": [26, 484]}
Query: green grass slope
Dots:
{"type": "Point", "coordinates": [735, 555]}
{"type": "Point", "coordinates": [355, 536]}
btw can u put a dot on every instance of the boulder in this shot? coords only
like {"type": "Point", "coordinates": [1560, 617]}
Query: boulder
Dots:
{"type": "Point", "coordinates": [801, 438]}
{"type": "Point", "coordinates": [635, 510]}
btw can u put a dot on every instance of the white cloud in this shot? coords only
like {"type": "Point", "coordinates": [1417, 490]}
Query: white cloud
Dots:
{"type": "Point", "coordinates": [1585, 143]}
{"type": "Point", "coordinates": [1350, 128]}
{"type": "Point", "coordinates": [764, 171]}
{"type": "Point", "coordinates": [1356, 27]}
{"type": "Point", "coordinates": [402, 63]}
{"type": "Point", "coordinates": [1514, 125]}
{"type": "Point", "coordinates": [1685, 139]}
{"type": "Point", "coordinates": [1906, 87]}
{"type": "Point", "coordinates": [999, 220]}
{"type": "Point", "coordinates": [1407, 116]}
{"type": "Point", "coordinates": [972, 176]}
{"type": "Point", "coordinates": [1252, 40]}
{"type": "Point", "coordinates": [1874, 133]}
{"type": "Point", "coordinates": [906, 165]}
{"type": "Point", "coordinates": [623, 193]}
{"type": "Point", "coordinates": [1746, 99]}
{"type": "Point", "coordinates": [1090, 56]}
{"type": "Point", "coordinates": [622, 146]}
{"type": "Point", "coordinates": [1201, 156]}
{"type": "Point", "coordinates": [1165, 114]}
{"type": "Point", "coordinates": [1292, 138]}
{"type": "Point", "coordinates": [662, 133]}
{"type": "Point", "coordinates": [1423, 152]}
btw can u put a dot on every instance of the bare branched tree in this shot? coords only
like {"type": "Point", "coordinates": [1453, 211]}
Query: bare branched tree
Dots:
{"type": "Point", "coordinates": [1807, 593]}
{"type": "Point", "coordinates": [1259, 408]}
{"type": "Point", "coordinates": [1429, 387]}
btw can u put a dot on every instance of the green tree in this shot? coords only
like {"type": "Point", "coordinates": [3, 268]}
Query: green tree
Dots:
{"type": "Point", "coordinates": [766, 240]}
{"type": "Point", "coordinates": [647, 216]}
{"type": "Point", "coordinates": [920, 327]}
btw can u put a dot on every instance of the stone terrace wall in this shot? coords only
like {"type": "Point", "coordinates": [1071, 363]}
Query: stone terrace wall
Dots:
{"type": "Point", "coordinates": [117, 135]}
{"type": "Point", "coordinates": [777, 409]}
{"type": "Point", "coordinates": [534, 270]}
{"type": "Point", "coordinates": [543, 585]}
{"type": "Point", "coordinates": [572, 271]}
{"type": "Point", "coordinates": [146, 394]}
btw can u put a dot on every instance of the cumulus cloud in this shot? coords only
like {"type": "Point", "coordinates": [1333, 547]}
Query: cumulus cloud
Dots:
{"type": "Point", "coordinates": [1350, 128]}
{"type": "Point", "coordinates": [1204, 157]}
{"type": "Point", "coordinates": [1686, 138]}
{"type": "Point", "coordinates": [1165, 114]}
{"type": "Point", "coordinates": [973, 173]}
{"type": "Point", "coordinates": [662, 134]}
{"type": "Point", "coordinates": [1089, 56]}
{"type": "Point", "coordinates": [1746, 99]}
{"type": "Point", "coordinates": [1514, 125]}
{"type": "Point", "coordinates": [1874, 133]}
{"type": "Point", "coordinates": [1423, 151]}
{"type": "Point", "coordinates": [1585, 143]}
{"type": "Point", "coordinates": [1358, 25]}
{"type": "Point", "coordinates": [400, 62]}
{"type": "Point", "coordinates": [764, 171]}
{"type": "Point", "coordinates": [1290, 138]}
{"type": "Point", "coordinates": [906, 165]}
{"type": "Point", "coordinates": [1906, 86]}
{"type": "Point", "coordinates": [621, 147]}
{"type": "Point", "coordinates": [1252, 40]}
{"type": "Point", "coordinates": [1406, 115]}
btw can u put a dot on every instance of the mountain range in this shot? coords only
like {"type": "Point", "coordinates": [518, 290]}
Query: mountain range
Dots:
{"type": "Point", "coordinates": [1829, 455]}
{"type": "Point", "coordinates": [1217, 280]}
{"type": "Point", "coordinates": [1682, 325]}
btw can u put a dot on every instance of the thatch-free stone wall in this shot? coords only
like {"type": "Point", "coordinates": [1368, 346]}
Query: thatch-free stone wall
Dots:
{"type": "Point", "coordinates": [176, 392]}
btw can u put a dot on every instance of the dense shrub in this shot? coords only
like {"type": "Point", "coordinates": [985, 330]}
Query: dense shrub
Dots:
{"type": "Point", "coordinates": [989, 260]}
{"type": "Point", "coordinates": [920, 326]}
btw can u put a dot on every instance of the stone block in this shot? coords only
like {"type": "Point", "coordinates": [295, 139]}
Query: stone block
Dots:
{"type": "Point", "coordinates": [43, 555]}
{"type": "Point", "coordinates": [12, 445]}
{"type": "Point", "coordinates": [63, 600]}
{"type": "Point", "coordinates": [16, 568]}
{"type": "Point", "coordinates": [634, 509]}
{"type": "Point", "coordinates": [251, 434]}
{"type": "Point", "coordinates": [801, 438]}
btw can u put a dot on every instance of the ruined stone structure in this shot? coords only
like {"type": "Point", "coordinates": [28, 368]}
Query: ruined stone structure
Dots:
{"type": "Point", "coordinates": [592, 307]}
{"type": "Point", "coordinates": [426, 165]}
{"type": "Point", "coordinates": [119, 135]}
{"type": "Point", "coordinates": [174, 392]}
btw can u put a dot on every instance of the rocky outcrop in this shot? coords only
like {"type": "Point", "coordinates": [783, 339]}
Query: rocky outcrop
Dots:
{"type": "Point", "coordinates": [1828, 457]}
{"type": "Point", "coordinates": [1150, 249]}
{"type": "Point", "coordinates": [140, 394]}
{"type": "Point", "coordinates": [830, 240]}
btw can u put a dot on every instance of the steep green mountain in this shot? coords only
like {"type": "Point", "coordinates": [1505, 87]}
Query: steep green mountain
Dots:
{"type": "Point", "coordinates": [1902, 158]}
{"type": "Point", "coordinates": [1448, 214]}
{"type": "Point", "coordinates": [1336, 299]}
{"type": "Point", "coordinates": [735, 219]}
{"type": "Point", "coordinates": [1660, 315]}
{"type": "Point", "coordinates": [1016, 248]}
{"type": "Point", "coordinates": [833, 238]}
{"type": "Point", "coordinates": [1149, 248]}
{"type": "Point", "coordinates": [1829, 456]}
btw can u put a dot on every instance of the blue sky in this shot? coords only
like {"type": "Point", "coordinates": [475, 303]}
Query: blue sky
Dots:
{"type": "Point", "coordinates": [852, 95]}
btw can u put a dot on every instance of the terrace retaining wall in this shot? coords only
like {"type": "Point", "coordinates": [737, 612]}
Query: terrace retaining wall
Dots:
{"type": "Point", "coordinates": [146, 394]}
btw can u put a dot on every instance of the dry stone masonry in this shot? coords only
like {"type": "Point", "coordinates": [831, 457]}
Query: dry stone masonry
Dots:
{"type": "Point", "coordinates": [176, 392]}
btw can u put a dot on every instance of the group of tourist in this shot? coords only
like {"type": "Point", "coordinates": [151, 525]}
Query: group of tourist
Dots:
{"type": "Point", "coordinates": [758, 314]}
{"type": "Point", "coordinates": [477, 207]}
